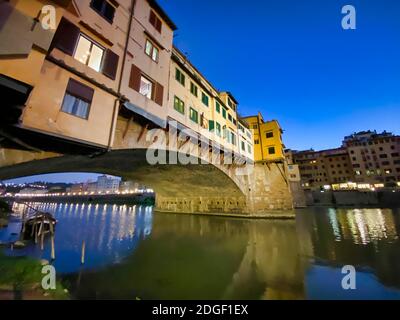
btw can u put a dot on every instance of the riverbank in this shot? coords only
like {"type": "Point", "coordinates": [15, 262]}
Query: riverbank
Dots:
{"type": "Point", "coordinates": [273, 215]}
{"type": "Point", "coordinates": [370, 199]}
{"type": "Point", "coordinates": [128, 199]}
{"type": "Point", "coordinates": [21, 277]}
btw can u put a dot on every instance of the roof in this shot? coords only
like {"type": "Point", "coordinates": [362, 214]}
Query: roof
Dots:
{"type": "Point", "coordinates": [154, 4]}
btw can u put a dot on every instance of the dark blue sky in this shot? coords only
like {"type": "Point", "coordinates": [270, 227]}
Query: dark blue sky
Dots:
{"type": "Point", "coordinates": [292, 61]}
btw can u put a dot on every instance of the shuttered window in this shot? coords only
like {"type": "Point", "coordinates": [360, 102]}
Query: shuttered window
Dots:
{"type": "Point", "coordinates": [137, 82]}
{"type": "Point", "coordinates": [155, 21]}
{"type": "Point", "coordinates": [71, 41]}
{"type": "Point", "coordinates": [110, 64]}
{"type": "Point", "coordinates": [204, 99]}
{"type": "Point", "coordinates": [66, 37]}
{"type": "Point", "coordinates": [77, 100]}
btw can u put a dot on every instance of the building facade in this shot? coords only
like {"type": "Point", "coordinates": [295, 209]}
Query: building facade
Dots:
{"type": "Point", "coordinates": [195, 104]}
{"type": "Point", "coordinates": [267, 135]}
{"type": "Point", "coordinates": [375, 158]}
{"type": "Point", "coordinates": [366, 161]}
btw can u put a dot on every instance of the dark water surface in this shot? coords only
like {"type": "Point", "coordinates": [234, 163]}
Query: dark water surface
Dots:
{"type": "Point", "coordinates": [132, 253]}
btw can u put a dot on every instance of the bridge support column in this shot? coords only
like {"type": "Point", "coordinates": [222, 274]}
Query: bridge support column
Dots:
{"type": "Point", "coordinates": [208, 204]}
{"type": "Point", "coordinates": [269, 189]}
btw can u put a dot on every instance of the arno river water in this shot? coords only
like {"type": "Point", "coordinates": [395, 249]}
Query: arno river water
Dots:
{"type": "Point", "coordinates": [133, 253]}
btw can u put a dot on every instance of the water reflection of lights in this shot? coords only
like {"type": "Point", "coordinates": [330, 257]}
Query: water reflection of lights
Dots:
{"type": "Point", "coordinates": [335, 224]}
{"type": "Point", "coordinates": [371, 225]}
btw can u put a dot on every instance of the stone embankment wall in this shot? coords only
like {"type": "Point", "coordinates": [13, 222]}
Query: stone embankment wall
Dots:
{"type": "Point", "coordinates": [386, 198]}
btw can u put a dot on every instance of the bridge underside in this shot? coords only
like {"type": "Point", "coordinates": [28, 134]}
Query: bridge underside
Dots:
{"type": "Point", "coordinates": [179, 188]}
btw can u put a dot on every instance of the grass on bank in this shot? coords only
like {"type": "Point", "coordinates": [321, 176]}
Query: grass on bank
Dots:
{"type": "Point", "coordinates": [24, 275]}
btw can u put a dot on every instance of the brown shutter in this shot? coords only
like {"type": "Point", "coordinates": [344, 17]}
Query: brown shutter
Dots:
{"type": "Point", "coordinates": [80, 90]}
{"type": "Point", "coordinates": [158, 25]}
{"type": "Point", "coordinates": [110, 64]}
{"type": "Point", "coordinates": [159, 94]}
{"type": "Point", "coordinates": [153, 18]}
{"type": "Point", "coordinates": [66, 37]}
{"type": "Point", "coordinates": [134, 81]}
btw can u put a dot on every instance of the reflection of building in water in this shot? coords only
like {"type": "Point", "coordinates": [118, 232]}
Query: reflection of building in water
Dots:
{"type": "Point", "coordinates": [363, 238]}
{"type": "Point", "coordinates": [273, 257]}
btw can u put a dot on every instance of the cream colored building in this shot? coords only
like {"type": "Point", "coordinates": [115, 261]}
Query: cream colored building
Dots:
{"type": "Point", "coordinates": [195, 104]}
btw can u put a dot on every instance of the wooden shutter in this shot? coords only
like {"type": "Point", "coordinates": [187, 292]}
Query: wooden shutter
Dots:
{"type": "Point", "coordinates": [134, 81]}
{"type": "Point", "coordinates": [159, 94]}
{"type": "Point", "coordinates": [153, 18]}
{"type": "Point", "coordinates": [80, 90]}
{"type": "Point", "coordinates": [110, 64]}
{"type": "Point", "coordinates": [158, 25]}
{"type": "Point", "coordinates": [66, 37]}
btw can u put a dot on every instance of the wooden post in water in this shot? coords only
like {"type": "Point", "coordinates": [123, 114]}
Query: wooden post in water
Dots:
{"type": "Point", "coordinates": [83, 252]}
{"type": "Point", "coordinates": [53, 251]}
{"type": "Point", "coordinates": [42, 236]}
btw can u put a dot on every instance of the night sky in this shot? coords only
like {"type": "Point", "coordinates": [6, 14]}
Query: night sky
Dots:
{"type": "Point", "coordinates": [292, 61]}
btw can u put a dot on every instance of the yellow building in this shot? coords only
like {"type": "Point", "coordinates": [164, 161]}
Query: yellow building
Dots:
{"type": "Point", "coordinates": [268, 144]}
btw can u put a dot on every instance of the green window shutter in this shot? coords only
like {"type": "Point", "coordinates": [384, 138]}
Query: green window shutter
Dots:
{"type": "Point", "coordinates": [224, 113]}
{"type": "Point", "coordinates": [211, 125]}
{"type": "Point", "coordinates": [218, 128]}
{"type": "Point", "coordinates": [218, 107]}
{"type": "Point", "coordinates": [204, 99]}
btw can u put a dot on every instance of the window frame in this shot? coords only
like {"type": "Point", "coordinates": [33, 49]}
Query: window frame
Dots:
{"type": "Point", "coordinates": [67, 92]}
{"type": "Point", "coordinates": [194, 90]}
{"type": "Point", "coordinates": [203, 97]}
{"type": "Point", "coordinates": [92, 42]}
{"type": "Point", "coordinates": [153, 48]}
{"type": "Point", "coordinates": [181, 102]}
{"type": "Point", "coordinates": [152, 87]}
{"type": "Point", "coordinates": [194, 111]}
{"type": "Point", "coordinates": [180, 77]}
{"type": "Point", "coordinates": [269, 134]}
{"type": "Point", "coordinates": [101, 13]}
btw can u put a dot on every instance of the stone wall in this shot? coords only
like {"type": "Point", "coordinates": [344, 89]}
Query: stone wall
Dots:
{"type": "Point", "coordinates": [389, 198]}
{"type": "Point", "coordinates": [269, 189]}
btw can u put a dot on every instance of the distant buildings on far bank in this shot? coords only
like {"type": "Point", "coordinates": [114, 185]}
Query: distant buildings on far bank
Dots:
{"type": "Point", "coordinates": [108, 185]}
{"type": "Point", "coordinates": [366, 160]}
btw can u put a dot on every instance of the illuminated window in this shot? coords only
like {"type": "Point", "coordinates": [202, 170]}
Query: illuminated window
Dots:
{"type": "Point", "coordinates": [179, 105]}
{"type": "Point", "coordinates": [152, 51]}
{"type": "Point", "coordinates": [89, 53]}
{"type": "Point", "coordinates": [194, 115]}
{"type": "Point", "coordinates": [146, 87]}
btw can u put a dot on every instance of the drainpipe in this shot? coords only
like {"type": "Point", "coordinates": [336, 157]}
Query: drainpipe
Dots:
{"type": "Point", "coordinates": [117, 101]}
